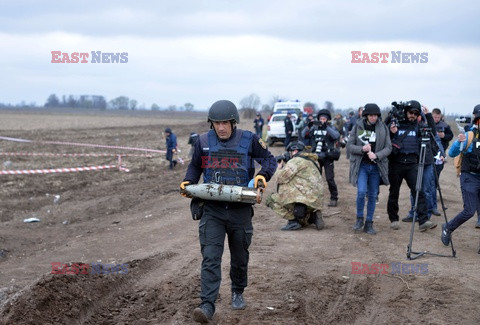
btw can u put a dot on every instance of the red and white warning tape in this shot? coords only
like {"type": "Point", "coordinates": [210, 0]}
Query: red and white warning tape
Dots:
{"type": "Point", "coordinates": [119, 166]}
{"type": "Point", "coordinates": [81, 144]}
{"type": "Point", "coordinates": [49, 154]}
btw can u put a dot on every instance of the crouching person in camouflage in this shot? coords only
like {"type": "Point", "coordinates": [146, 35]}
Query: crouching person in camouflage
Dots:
{"type": "Point", "coordinates": [300, 189]}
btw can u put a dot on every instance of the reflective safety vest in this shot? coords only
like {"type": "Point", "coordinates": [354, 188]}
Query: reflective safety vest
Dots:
{"type": "Point", "coordinates": [228, 162]}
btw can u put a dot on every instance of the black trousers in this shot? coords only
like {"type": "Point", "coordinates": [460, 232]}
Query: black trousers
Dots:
{"type": "Point", "coordinates": [169, 157]}
{"type": "Point", "coordinates": [288, 138]}
{"type": "Point", "coordinates": [397, 172]}
{"type": "Point", "coordinates": [234, 221]}
{"type": "Point", "coordinates": [327, 164]}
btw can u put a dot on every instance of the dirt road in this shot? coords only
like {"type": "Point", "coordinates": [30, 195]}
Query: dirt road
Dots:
{"type": "Point", "coordinates": [139, 219]}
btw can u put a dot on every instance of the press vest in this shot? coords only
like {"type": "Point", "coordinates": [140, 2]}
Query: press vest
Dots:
{"type": "Point", "coordinates": [410, 144]}
{"type": "Point", "coordinates": [323, 142]}
{"type": "Point", "coordinates": [471, 160]}
{"type": "Point", "coordinates": [228, 161]}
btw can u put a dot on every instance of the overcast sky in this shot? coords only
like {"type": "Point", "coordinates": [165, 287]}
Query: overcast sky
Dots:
{"type": "Point", "coordinates": [201, 51]}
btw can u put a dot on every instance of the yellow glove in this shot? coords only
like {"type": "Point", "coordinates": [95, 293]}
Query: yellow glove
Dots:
{"type": "Point", "coordinates": [259, 181]}
{"type": "Point", "coordinates": [182, 188]}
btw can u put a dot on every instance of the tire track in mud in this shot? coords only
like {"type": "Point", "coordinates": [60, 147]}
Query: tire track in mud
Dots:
{"type": "Point", "coordinates": [343, 298]}
{"type": "Point", "coordinates": [146, 294]}
{"type": "Point", "coordinates": [160, 295]}
{"type": "Point", "coordinates": [304, 290]}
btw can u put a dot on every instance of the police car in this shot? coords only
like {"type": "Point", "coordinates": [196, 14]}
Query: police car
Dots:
{"type": "Point", "coordinates": [276, 128]}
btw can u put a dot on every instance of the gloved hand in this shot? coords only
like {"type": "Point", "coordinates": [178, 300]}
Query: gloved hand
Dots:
{"type": "Point", "coordinates": [259, 181]}
{"type": "Point", "coordinates": [182, 189]}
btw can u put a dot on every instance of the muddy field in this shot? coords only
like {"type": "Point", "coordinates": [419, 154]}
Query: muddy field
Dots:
{"type": "Point", "coordinates": [139, 221]}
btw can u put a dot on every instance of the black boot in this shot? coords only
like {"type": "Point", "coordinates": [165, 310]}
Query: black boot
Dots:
{"type": "Point", "coordinates": [369, 228]}
{"type": "Point", "coordinates": [358, 225]}
{"type": "Point", "coordinates": [316, 219]}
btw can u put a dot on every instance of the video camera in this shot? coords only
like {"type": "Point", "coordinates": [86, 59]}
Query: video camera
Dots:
{"type": "Point", "coordinates": [397, 114]}
{"type": "Point", "coordinates": [425, 132]}
{"type": "Point", "coordinates": [283, 157]}
{"type": "Point", "coordinates": [317, 123]}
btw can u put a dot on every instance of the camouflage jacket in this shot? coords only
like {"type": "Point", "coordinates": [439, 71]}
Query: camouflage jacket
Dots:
{"type": "Point", "coordinates": [300, 181]}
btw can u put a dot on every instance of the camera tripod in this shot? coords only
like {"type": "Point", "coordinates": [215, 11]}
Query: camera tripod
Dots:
{"type": "Point", "coordinates": [411, 255]}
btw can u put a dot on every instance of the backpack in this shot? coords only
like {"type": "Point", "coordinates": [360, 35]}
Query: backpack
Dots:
{"type": "Point", "coordinates": [457, 161]}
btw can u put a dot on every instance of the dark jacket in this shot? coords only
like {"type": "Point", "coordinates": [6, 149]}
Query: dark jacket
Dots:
{"type": "Point", "coordinates": [288, 125]}
{"type": "Point", "coordinates": [327, 134]}
{"type": "Point", "coordinates": [171, 141]}
{"type": "Point", "coordinates": [442, 126]}
{"type": "Point", "coordinates": [258, 124]}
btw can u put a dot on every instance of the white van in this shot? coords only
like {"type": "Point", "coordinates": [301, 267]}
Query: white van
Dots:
{"type": "Point", "coordinates": [288, 106]}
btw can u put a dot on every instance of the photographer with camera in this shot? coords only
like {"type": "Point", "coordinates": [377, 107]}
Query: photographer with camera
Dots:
{"type": "Point", "coordinates": [405, 135]}
{"type": "Point", "coordinates": [300, 189]}
{"type": "Point", "coordinates": [433, 149]}
{"type": "Point", "coordinates": [305, 132]}
{"type": "Point", "coordinates": [369, 146]}
{"type": "Point", "coordinates": [325, 137]}
{"type": "Point", "coordinates": [470, 176]}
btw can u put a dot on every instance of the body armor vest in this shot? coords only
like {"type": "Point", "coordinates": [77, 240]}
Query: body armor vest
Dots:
{"type": "Point", "coordinates": [228, 162]}
{"type": "Point", "coordinates": [471, 160]}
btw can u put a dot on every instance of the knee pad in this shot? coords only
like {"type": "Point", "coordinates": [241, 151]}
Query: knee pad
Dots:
{"type": "Point", "coordinates": [299, 211]}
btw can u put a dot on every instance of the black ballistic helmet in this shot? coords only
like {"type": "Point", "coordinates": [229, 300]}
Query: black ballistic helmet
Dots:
{"type": "Point", "coordinates": [325, 112]}
{"type": "Point", "coordinates": [413, 105]}
{"type": "Point", "coordinates": [223, 110]}
{"type": "Point", "coordinates": [371, 109]}
{"type": "Point", "coordinates": [476, 113]}
{"type": "Point", "coordinates": [296, 145]}
{"type": "Point", "coordinates": [168, 130]}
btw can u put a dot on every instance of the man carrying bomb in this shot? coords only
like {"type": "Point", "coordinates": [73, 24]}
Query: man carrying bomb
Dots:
{"type": "Point", "coordinates": [469, 177]}
{"type": "Point", "coordinates": [324, 138]}
{"type": "Point", "coordinates": [300, 189]}
{"type": "Point", "coordinates": [225, 155]}
{"type": "Point", "coordinates": [405, 136]}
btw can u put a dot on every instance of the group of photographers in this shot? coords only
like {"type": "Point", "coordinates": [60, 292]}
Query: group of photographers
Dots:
{"type": "Point", "coordinates": [380, 152]}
